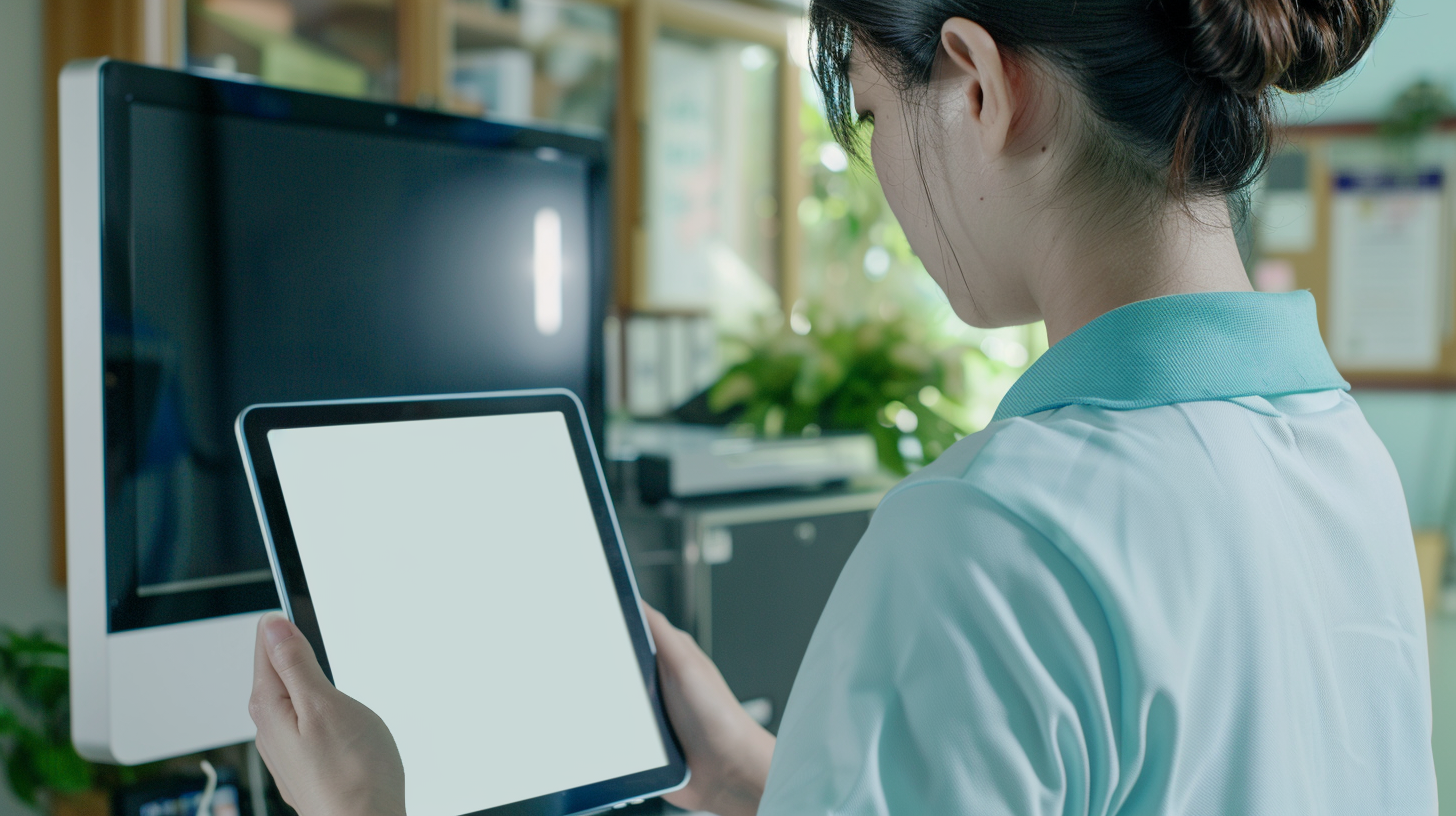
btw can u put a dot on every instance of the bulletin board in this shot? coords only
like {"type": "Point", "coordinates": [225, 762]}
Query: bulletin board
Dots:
{"type": "Point", "coordinates": [1368, 225]}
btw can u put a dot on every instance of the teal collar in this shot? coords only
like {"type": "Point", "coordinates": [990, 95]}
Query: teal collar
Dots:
{"type": "Point", "coordinates": [1182, 348]}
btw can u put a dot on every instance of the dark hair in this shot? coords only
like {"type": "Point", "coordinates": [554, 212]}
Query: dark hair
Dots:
{"type": "Point", "coordinates": [1182, 89]}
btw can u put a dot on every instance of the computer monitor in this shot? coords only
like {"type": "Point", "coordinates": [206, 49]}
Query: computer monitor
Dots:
{"type": "Point", "coordinates": [225, 244]}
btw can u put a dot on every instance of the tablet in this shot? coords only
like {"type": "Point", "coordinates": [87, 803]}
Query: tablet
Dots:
{"type": "Point", "coordinates": [457, 565]}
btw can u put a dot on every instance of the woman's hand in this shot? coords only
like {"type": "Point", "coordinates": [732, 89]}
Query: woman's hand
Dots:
{"type": "Point", "coordinates": [329, 754]}
{"type": "Point", "coordinates": [727, 751]}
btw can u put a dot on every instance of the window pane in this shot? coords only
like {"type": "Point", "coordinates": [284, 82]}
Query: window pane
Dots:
{"type": "Point", "coordinates": [712, 170]}
{"type": "Point", "coordinates": [343, 47]}
{"type": "Point", "coordinates": [549, 61]}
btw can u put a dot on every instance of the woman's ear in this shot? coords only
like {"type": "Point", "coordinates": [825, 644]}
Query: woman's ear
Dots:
{"type": "Point", "coordinates": [973, 57]}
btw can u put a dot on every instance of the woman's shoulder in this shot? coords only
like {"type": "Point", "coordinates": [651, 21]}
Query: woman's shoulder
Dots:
{"type": "Point", "coordinates": [1016, 451]}
{"type": "Point", "coordinates": [1036, 465]}
{"type": "Point", "coordinates": [962, 508]}
{"type": "Point", "coordinates": [1029, 493]}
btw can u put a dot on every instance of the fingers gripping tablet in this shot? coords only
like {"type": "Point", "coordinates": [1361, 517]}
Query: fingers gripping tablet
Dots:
{"type": "Point", "coordinates": [457, 567]}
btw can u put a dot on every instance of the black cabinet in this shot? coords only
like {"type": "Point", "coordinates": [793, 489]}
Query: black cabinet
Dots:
{"type": "Point", "coordinates": [748, 576]}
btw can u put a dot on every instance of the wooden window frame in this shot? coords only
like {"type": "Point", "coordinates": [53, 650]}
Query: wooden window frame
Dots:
{"type": "Point", "coordinates": [644, 22]}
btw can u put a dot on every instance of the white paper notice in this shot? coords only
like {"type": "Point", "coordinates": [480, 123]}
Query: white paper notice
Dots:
{"type": "Point", "coordinates": [1386, 271]}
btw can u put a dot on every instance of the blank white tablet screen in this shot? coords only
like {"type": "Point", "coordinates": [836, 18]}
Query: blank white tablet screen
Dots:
{"type": "Point", "coordinates": [462, 593]}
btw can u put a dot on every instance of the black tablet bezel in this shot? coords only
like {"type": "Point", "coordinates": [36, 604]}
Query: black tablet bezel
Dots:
{"type": "Point", "coordinates": [255, 422]}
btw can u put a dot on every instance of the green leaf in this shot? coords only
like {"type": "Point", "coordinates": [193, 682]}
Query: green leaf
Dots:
{"type": "Point", "coordinates": [887, 442]}
{"type": "Point", "coordinates": [62, 770]}
{"type": "Point", "coordinates": [733, 390]}
{"type": "Point", "coordinates": [9, 723]}
{"type": "Point", "coordinates": [21, 773]}
{"type": "Point", "coordinates": [44, 687]}
{"type": "Point", "coordinates": [35, 644]}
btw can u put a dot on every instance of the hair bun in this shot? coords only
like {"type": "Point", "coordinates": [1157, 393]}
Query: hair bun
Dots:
{"type": "Point", "coordinates": [1294, 45]}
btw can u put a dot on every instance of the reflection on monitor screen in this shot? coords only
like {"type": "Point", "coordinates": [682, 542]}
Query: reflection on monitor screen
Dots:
{"type": "Point", "coordinates": [282, 261]}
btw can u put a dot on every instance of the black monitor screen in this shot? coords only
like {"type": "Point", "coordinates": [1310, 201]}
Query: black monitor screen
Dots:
{"type": "Point", "coordinates": [283, 247]}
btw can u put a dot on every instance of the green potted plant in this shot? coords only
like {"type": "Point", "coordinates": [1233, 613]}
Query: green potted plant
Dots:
{"type": "Point", "coordinates": [873, 376]}
{"type": "Point", "coordinates": [41, 765]}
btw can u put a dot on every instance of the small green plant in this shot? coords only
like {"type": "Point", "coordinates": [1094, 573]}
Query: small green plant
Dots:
{"type": "Point", "coordinates": [1417, 111]}
{"type": "Point", "coordinates": [35, 737]}
{"type": "Point", "coordinates": [35, 723]}
{"type": "Point", "coordinates": [873, 376]}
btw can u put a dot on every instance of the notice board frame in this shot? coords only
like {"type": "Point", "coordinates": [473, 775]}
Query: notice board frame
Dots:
{"type": "Point", "coordinates": [1312, 267]}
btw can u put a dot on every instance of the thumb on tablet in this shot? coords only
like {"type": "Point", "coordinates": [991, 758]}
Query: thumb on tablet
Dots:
{"type": "Point", "coordinates": [292, 657]}
{"type": "Point", "coordinates": [329, 753]}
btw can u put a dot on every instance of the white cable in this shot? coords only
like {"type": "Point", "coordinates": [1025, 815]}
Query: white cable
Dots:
{"type": "Point", "coordinates": [204, 805]}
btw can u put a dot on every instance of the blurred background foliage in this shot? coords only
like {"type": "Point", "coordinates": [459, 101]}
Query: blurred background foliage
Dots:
{"type": "Point", "coordinates": [873, 346]}
{"type": "Point", "coordinates": [35, 724]}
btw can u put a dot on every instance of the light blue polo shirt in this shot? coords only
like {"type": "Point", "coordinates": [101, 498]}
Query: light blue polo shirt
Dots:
{"type": "Point", "coordinates": [1174, 576]}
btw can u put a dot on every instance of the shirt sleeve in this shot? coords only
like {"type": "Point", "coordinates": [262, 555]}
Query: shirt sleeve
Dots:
{"type": "Point", "coordinates": [963, 665]}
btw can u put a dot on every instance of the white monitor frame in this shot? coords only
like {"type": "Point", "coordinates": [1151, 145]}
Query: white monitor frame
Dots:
{"type": "Point", "coordinates": [160, 687]}
{"type": "Point", "coordinates": [124, 710]}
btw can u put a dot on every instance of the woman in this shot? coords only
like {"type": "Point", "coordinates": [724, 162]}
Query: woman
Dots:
{"type": "Point", "coordinates": [1175, 574]}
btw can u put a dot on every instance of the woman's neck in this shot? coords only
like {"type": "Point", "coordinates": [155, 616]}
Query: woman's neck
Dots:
{"type": "Point", "coordinates": [1191, 251]}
